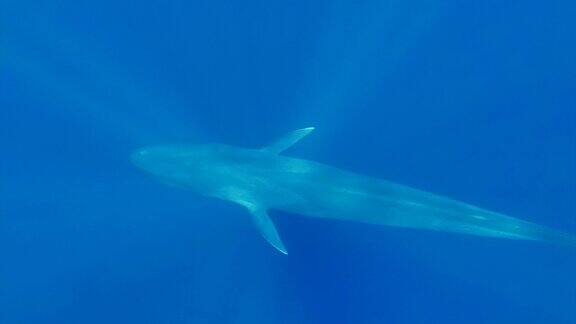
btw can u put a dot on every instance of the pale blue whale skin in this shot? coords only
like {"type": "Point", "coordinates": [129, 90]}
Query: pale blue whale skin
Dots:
{"type": "Point", "coordinates": [261, 179]}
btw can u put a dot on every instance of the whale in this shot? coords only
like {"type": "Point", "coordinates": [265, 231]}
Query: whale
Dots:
{"type": "Point", "coordinates": [264, 179]}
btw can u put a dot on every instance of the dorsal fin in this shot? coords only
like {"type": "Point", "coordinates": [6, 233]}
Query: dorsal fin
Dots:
{"type": "Point", "coordinates": [287, 140]}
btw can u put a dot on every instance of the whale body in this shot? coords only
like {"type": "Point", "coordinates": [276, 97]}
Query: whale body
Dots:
{"type": "Point", "coordinates": [263, 179]}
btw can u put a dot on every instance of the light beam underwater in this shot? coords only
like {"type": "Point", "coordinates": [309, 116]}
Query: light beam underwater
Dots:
{"type": "Point", "coordinates": [342, 74]}
{"type": "Point", "coordinates": [93, 87]}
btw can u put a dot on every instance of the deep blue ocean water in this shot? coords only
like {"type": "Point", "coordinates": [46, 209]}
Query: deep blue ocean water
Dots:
{"type": "Point", "coordinates": [471, 100]}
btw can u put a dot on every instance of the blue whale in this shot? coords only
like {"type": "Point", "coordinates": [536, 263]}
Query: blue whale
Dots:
{"type": "Point", "coordinates": [263, 179]}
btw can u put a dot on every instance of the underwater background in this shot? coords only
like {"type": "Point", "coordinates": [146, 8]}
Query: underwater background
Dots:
{"type": "Point", "coordinates": [472, 100]}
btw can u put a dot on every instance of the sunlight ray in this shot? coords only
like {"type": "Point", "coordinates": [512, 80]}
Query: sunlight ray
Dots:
{"type": "Point", "coordinates": [90, 85]}
{"type": "Point", "coordinates": [354, 40]}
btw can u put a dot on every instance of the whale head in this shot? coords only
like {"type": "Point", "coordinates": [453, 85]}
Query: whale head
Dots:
{"type": "Point", "coordinates": [176, 164]}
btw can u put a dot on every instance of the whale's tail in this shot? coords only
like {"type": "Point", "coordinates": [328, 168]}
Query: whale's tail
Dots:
{"type": "Point", "coordinates": [498, 225]}
{"type": "Point", "coordinates": [421, 210]}
{"type": "Point", "coordinates": [549, 235]}
{"type": "Point", "coordinates": [429, 211]}
{"type": "Point", "coordinates": [502, 226]}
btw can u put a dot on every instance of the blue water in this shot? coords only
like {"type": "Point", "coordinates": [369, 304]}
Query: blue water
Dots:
{"type": "Point", "coordinates": [472, 100]}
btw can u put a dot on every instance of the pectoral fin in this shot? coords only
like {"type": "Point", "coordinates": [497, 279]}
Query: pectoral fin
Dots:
{"type": "Point", "coordinates": [288, 140]}
{"type": "Point", "coordinates": [267, 229]}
